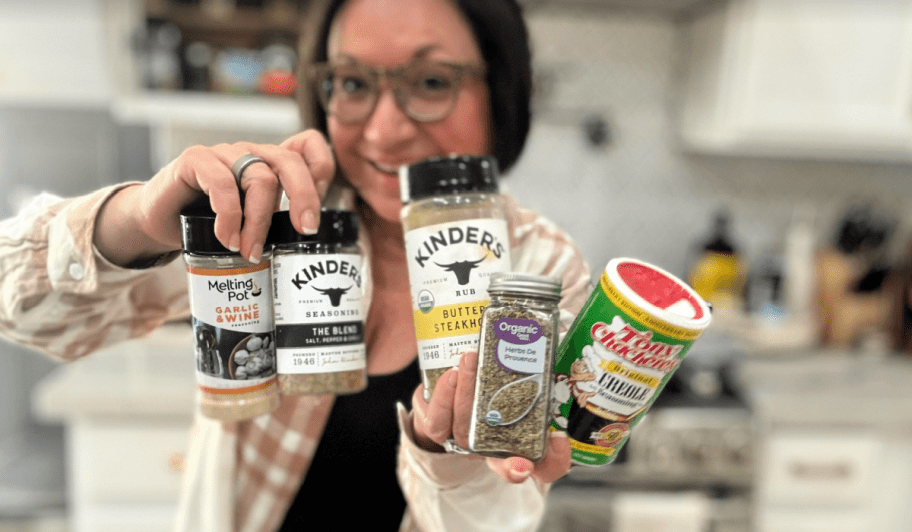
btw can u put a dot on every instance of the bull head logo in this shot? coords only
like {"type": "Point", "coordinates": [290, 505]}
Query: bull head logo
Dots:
{"type": "Point", "coordinates": [335, 294]}
{"type": "Point", "coordinates": [462, 269]}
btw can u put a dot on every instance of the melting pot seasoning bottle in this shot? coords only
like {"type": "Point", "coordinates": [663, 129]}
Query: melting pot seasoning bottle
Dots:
{"type": "Point", "coordinates": [319, 313]}
{"type": "Point", "coordinates": [456, 237]}
{"type": "Point", "coordinates": [231, 309]}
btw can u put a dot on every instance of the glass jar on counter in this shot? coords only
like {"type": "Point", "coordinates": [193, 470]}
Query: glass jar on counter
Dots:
{"type": "Point", "coordinates": [319, 313]}
{"type": "Point", "coordinates": [519, 334]}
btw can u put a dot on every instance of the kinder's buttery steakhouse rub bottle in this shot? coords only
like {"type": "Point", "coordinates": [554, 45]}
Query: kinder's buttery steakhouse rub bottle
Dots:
{"type": "Point", "coordinates": [231, 310]}
{"type": "Point", "coordinates": [623, 347]}
{"type": "Point", "coordinates": [456, 237]}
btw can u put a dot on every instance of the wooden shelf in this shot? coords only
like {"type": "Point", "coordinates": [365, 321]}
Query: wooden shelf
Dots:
{"type": "Point", "coordinates": [238, 26]}
{"type": "Point", "coordinates": [209, 110]}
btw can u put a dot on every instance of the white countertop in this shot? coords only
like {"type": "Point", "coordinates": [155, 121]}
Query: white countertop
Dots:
{"type": "Point", "coordinates": [832, 388]}
{"type": "Point", "coordinates": [152, 376]}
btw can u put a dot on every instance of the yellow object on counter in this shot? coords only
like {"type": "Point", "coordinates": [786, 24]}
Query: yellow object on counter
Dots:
{"type": "Point", "coordinates": [718, 276]}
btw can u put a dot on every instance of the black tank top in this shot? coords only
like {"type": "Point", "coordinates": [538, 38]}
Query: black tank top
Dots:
{"type": "Point", "coordinates": [352, 478]}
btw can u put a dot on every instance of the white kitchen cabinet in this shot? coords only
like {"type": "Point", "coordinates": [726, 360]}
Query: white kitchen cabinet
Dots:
{"type": "Point", "coordinates": [815, 521]}
{"type": "Point", "coordinates": [125, 474]}
{"type": "Point", "coordinates": [799, 78]}
{"type": "Point", "coordinates": [128, 412]}
{"type": "Point", "coordinates": [819, 469]}
{"type": "Point", "coordinates": [835, 445]}
{"type": "Point", "coordinates": [832, 478]}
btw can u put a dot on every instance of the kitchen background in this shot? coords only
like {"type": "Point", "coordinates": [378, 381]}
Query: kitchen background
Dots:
{"type": "Point", "coordinates": [778, 132]}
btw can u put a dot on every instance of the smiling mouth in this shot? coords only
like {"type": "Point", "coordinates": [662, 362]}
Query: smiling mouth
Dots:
{"type": "Point", "coordinates": [385, 168]}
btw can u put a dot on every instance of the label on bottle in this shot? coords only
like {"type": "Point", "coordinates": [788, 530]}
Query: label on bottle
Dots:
{"type": "Point", "coordinates": [233, 327]}
{"type": "Point", "coordinates": [521, 345]}
{"type": "Point", "coordinates": [450, 266]}
{"type": "Point", "coordinates": [620, 352]}
{"type": "Point", "coordinates": [319, 313]}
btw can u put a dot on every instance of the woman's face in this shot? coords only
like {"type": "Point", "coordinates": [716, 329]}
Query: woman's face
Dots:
{"type": "Point", "coordinates": [387, 34]}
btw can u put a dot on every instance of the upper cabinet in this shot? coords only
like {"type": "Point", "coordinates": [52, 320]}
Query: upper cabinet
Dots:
{"type": "Point", "coordinates": [799, 78]}
{"type": "Point", "coordinates": [53, 54]}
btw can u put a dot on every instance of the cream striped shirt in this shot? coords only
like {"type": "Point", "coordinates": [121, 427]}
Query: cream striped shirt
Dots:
{"type": "Point", "coordinates": [60, 296]}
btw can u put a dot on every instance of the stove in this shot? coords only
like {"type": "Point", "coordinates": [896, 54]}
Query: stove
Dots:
{"type": "Point", "coordinates": [694, 449]}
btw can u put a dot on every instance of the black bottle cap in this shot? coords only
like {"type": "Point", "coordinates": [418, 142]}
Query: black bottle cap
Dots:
{"type": "Point", "coordinates": [198, 229]}
{"type": "Point", "coordinates": [336, 227]}
{"type": "Point", "coordinates": [440, 176]}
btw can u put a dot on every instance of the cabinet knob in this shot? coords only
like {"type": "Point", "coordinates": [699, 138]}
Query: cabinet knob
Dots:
{"type": "Point", "coordinates": [176, 462]}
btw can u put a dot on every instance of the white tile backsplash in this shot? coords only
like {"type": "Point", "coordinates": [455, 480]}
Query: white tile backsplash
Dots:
{"type": "Point", "coordinates": [641, 196]}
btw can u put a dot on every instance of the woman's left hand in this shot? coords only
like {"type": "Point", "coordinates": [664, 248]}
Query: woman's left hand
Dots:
{"type": "Point", "coordinates": [449, 413]}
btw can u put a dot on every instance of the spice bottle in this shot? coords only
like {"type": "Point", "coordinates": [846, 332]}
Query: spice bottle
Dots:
{"type": "Point", "coordinates": [519, 332]}
{"type": "Point", "coordinates": [621, 350]}
{"type": "Point", "coordinates": [456, 237]}
{"type": "Point", "coordinates": [319, 313]}
{"type": "Point", "coordinates": [231, 310]}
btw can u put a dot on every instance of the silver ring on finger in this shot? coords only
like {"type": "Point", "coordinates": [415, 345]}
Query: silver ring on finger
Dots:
{"type": "Point", "coordinates": [241, 164]}
{"type": "Point", "coordinates": [451, 446]}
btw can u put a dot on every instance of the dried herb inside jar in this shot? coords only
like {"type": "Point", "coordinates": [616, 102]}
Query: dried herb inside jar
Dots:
{"type": "Point", "coordinates": [513, 384]}
{"type": "Point", "coordinates": [514, 400]}
{"type": "Point", "coordinates": [342, 381]}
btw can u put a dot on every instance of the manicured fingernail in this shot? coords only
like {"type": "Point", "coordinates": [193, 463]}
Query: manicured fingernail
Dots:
{"type": "Point", "coordinates": [255, 253]}
{"type": "Point", "coordinates": [558, 434]}
{"type": "Point", "coordinates": [519, 470]}
{"type": "Point", "coordinates": [309, 223]}
{"type": "Point", "coordinates": [234, 243]}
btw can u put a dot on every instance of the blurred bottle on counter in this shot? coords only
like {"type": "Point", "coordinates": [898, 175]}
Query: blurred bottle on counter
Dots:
{"type": "Point", "coordinates": [764, 295]}
{"type": "Point", "coordinates": [157, 48]}
{"type": "Point", "coordinates": [800, 282]}
{"type": "Point", "coordinates": [781, 283]}
{"type": "Point", "coordinates": [278, 75]}
{"type": "Point", "coordinates": [854, 303]}
{"type": "Point", "coordinates": [237, 70]}
{"type": "Point", "coordinates": [197, 57]}
{"type": "Point", "coordinates": [718, 274]}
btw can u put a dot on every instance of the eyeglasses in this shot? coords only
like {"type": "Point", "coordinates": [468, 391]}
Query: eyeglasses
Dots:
{"type": "Point", "coordinates": [425, 90]}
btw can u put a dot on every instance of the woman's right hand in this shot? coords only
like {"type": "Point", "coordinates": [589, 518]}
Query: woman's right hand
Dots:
{"type": "Point", "coordinates": [144, 220]}
{"type": "Point", "coordinates": [449, 415]}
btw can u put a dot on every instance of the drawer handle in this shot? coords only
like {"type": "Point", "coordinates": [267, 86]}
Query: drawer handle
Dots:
{"type": "Point", "coordinates": [176, 462]}
{"type": "Point", "coordinates": [821, 470]}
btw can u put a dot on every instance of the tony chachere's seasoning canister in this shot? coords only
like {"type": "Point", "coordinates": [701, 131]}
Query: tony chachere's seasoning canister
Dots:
{"type": "Point", "coordinates": [519, 333]}
{"type": "Point", "coordinates": [623, 347]}
{"type": "Point", "coordinates": [319, 314]}
{"type": "Point", "coordinates": [231, 308]}
{"type": "Point", "coordinates": [456, 237]}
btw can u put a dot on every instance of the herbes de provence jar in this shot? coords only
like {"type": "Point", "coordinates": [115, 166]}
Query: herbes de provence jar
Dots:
{"type": "Point", "coordinates": [231, 311]}
{"type": "Point", "coordinates": [319, 314]}
{"type": "Point", "coordinates": [456, 237]}
{"type": "Point", "coordinates": [519, 333]}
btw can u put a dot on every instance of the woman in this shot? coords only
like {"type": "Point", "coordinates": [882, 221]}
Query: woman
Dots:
{"type": "Point", "coordinates": [110, 274]}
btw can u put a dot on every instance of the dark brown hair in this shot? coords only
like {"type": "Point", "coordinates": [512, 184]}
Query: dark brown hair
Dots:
{"type": "Point", "coordinates": [503, 38]}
